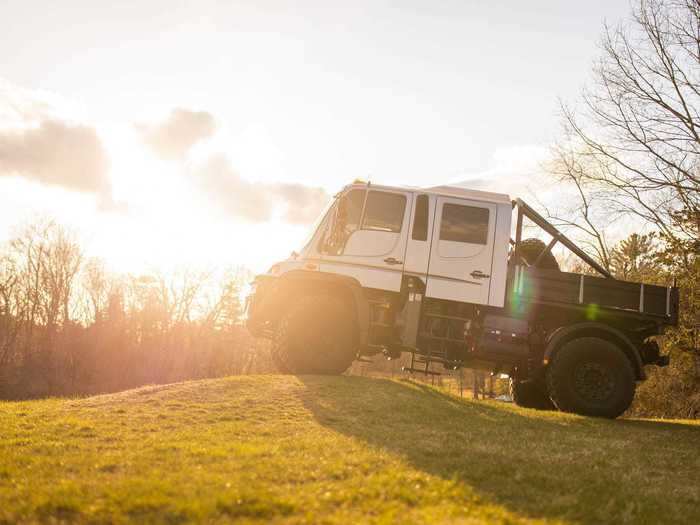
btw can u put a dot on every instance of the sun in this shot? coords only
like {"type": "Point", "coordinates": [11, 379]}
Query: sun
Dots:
{"type": "Point", "coordinates": [165, 222]}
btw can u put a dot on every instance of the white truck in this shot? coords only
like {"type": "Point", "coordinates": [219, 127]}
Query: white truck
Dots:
{"type": "Point", "coordinates": [444, 274]}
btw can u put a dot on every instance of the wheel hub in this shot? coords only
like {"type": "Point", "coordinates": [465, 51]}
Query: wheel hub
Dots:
{"type": "Point", "coordinates": [594, 381]}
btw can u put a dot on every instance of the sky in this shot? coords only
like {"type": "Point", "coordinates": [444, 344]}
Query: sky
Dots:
{"type": "Point", "coordinates": [211, 133]}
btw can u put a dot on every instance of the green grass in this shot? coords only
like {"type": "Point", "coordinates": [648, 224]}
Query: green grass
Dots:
{"type": "Point", "coordinates": [287, 449]}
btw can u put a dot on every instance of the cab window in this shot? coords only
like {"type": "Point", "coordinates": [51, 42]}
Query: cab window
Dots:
{"type": "Point", "coordinates": [467, 224]}
{"type": "Point", "coordinates": [420, 221]}
{"type": "Point", "coordinates": [384, 211]}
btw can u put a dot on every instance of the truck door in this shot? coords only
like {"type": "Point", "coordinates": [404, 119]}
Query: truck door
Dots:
{"type": "Point", "coordinates": [461, 252]}
{"type": "Point", "coordinates": [373, 243]}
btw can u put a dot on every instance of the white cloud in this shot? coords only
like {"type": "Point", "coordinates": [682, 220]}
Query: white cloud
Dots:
{"type": "Point", "coordinates": [173, 138]}
{"type": "Point", "coordinates": [516, 171]}
{"type": "Point", "coordinates": [56, 153]}
{"type": "Point", "coordinates": [258, 201]}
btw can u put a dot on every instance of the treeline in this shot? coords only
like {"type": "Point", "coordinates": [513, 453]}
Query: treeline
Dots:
{"type": "Point", "coordinates": [70, 327]}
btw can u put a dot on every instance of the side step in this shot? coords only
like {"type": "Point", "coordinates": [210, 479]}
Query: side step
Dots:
{"type": "Point", "coordinates": [421, 359]}
{"type": "Point", "coordinates": [420, 371]}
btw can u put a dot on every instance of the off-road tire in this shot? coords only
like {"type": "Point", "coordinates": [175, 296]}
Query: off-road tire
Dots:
{"type": "Point", "coordinates": [530, 394]}
{"type": "Point", "coordinates": [530, 250]}
{"type": "Point", "coordinates": [315, 336]}
{"type": "Point", "coordinates": [592, 377]}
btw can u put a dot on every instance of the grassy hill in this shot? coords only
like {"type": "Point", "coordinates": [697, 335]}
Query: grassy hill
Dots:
{"type": "Point", "coordinates": [287, 449]}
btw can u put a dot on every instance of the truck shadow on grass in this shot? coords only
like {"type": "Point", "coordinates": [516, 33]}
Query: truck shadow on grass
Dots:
{"type": "Point", "coordinates": [534, 464]}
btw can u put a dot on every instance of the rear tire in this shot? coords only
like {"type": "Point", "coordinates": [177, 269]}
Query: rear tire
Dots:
{"type": "Point", "coordinates": [530, 394]}
{"type": "Point", "coordinates": [592, 377]}
{"type": "Point", "coordinates": [316, 336]}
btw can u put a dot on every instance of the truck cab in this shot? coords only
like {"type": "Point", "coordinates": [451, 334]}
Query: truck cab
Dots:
{"type": "Point", "coordinates": [435, 272]}
{"type": "Point", "coordinates": [454, 240]}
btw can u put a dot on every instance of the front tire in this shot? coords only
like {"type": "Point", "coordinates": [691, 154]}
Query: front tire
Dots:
{"type": "Point", "coordinates": [316, 336]}
{"type": "Point", "coordinates": [592, 377]}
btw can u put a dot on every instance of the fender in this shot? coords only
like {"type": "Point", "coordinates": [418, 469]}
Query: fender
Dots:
{"type": "Point", "coordinates": [566, 333]}
{"type": "Point", "coordinates": [304, 281]}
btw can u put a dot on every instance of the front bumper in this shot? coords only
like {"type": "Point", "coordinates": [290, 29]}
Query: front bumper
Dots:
{"type": "Point", "coordinates": [257, 323]}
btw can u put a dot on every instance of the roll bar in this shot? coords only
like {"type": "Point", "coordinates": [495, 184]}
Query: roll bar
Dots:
{"type": "Point", "coordinates": [524, 210]}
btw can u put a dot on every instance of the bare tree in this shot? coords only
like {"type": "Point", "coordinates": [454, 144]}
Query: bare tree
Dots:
{"type": "Point", "coordinates": [583, 211]}
{"type": "Point", "coordinates": [638, 132]}
{"type": "Point", "coordinates": [37, 290]}
{"type": "Point", "coordinates": [67, 325]}
{"type": "Point", "coordinates": [96, 289]}
{"type": "Point", "coordinates": [632, 148]}
{"type": "Point", "coordinates": [10, 324]}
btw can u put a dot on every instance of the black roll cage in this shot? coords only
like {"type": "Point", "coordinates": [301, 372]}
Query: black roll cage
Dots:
{"type": "Point", "coordinates": [524, 210]}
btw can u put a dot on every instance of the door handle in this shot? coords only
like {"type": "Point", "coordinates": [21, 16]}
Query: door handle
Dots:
{"type": "Point", "coordinates": [478, 274]}
{"type": "Point", "coordinates": [391, 260]}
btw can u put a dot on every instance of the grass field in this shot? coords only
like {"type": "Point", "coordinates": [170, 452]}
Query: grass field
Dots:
{"type": "Point", "coordinates": [287, 449]}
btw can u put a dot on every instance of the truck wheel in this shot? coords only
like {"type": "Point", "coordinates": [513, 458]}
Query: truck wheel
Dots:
{"type": "Point", "coordinates": [315, 337]}
{"type": "Point", "coordinates": [591, 377]}
{"type": "Point", "coordinates": [530, 250]}
{"type": "Point", "coordinates": [530, 394]}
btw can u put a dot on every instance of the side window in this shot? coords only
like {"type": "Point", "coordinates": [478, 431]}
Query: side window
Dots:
{"type": "Point", "coordinates": [420, 220]}
{"type": "Point", "coordinates": [464, 224]}
{"type": "Point", "coordinates": [384, 211]}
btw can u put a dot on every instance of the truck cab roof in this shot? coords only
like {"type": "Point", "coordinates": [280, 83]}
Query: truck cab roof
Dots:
{"type": "Point", "coordinates": [445, 190]}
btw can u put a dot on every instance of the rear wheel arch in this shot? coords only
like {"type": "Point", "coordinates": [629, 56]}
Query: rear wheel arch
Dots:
{"type": "Point", "coordinates": [565, 334]}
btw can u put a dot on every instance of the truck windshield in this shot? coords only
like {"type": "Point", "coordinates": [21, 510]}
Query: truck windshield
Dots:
{"type": "Point", "coordinates": [319, 222]}
{"type": "Point", "coordinates": [344, 219]}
